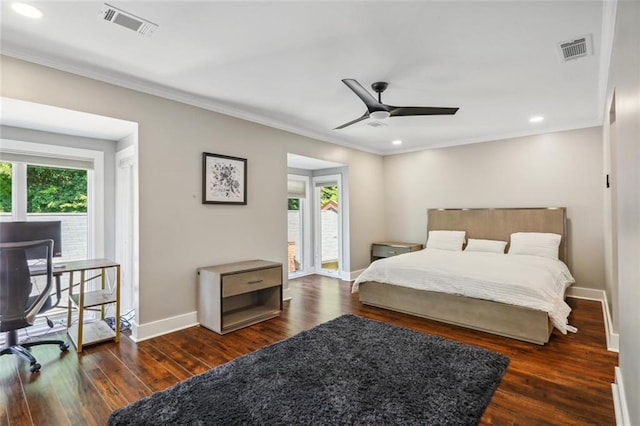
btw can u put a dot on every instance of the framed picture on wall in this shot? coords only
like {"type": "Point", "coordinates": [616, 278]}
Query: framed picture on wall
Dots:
{"type": "Point", "coordinates": [224, 179]}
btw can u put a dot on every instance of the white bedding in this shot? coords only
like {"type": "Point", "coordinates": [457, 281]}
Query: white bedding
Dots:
{"type": "Point", "coordinates": [530, 281]}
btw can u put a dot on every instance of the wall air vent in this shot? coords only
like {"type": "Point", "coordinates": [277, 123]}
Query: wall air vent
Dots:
{"type": "Point", "coordinates": [574, 49]}
{"type": "Point", "coordinates": [124, 19]}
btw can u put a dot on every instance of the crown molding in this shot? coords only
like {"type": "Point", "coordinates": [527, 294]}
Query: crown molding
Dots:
{"type": "Point", "coordinates": [510, 135]}
{"type": "Point", "coordinates": [150, 88]}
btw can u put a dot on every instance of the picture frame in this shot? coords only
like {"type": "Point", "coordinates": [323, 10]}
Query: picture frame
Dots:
{"type": "Point", "coordinates": [224, 179]}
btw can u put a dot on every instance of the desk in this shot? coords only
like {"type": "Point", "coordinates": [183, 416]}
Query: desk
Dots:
{"type": "Point", "coordinates": [98, 331]}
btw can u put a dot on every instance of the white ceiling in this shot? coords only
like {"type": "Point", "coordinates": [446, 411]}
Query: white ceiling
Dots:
{"type": "Point", "coordinates": [280, 63]}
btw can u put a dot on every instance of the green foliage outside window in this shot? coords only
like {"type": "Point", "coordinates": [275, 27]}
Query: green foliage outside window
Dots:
{"type": "Point", "coordinates": [327, 193]}
{"type": "Point", "coordinates": [49, 190]}
{"type": "Point", "coordinates": [5, 187]}
{"type": "Point", "coordinates": [294, 203]}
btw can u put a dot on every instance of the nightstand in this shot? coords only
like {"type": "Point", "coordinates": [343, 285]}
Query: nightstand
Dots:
{"type": "Point", "coordinates": [236, 295]}
{"type": "Point", "coordinates": [384, 249]}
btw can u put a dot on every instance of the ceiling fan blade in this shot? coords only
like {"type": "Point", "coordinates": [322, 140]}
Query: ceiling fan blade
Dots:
{"type": "Point", "coordinates": [364, 117]}
{"type": "Point", "coordinates": [366, 97]}
{"type": "Point", "coordinates": [408, 111]}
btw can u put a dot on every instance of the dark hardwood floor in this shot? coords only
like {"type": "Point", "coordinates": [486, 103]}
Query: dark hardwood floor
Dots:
{"type": "Point", "coordinates": [566, 382]}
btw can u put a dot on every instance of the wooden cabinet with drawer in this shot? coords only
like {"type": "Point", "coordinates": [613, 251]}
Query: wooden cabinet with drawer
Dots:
{"type": "Point", "coordinates": [236, 295]}
{"type": "Point", "coordinates": [384, 249]}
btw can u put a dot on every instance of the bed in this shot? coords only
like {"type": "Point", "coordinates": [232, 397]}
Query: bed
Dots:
{"type": "Point", "coordinates": [530, 323]}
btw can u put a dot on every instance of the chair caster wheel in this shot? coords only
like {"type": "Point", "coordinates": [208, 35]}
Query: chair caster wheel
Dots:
{"type": "Point", "coordinates": [64, 347]}
{"type": "Point", "coordinates": [35, 367]}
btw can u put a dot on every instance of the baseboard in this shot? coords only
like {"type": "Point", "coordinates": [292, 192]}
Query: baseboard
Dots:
{"type": "Point", "coordinates": [600, 296]}
{"type": "Point", "coordinates": [586, 293]}
{"type": "Point", "coordinates": [300, 274]}
{"type": "Point", "coordinates": [345, 275]}
{"type": "Point", "coordinates": [613, 339]}
{"type": "Point", "coordinates": [620, 400]}
{"type": "Point", "coordinates": [140, 332]}
{"type": "Point", "coordinates": [287, 294]}
{"type": "Point", "coordinates": [355, 274]}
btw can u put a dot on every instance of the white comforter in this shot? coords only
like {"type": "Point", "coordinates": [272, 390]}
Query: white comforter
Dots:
{"type": "Point", "coordinates": [531, 281]}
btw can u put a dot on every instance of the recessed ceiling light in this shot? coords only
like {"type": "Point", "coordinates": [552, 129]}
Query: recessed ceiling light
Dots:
{"type": "Point", "coordinates": [26, 10]}
{"type": "Point", "coordinates": [397, 142]}
{"type": "Point", "coordinates": [536, 119]}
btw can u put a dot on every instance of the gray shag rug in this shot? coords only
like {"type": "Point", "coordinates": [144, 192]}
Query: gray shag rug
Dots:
{"type": "Point", "coordinates": [350, 370]}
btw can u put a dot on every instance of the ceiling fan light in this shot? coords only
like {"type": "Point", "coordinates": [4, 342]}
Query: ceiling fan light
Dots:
{"type": "Point", "coordinates": [380, 115]}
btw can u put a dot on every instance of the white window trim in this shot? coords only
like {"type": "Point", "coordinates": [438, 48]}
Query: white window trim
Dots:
{"type": "Point", "coordinates": [306, 207]}
{"type": "Point", "coordinates": [95, 184]}
{"type": "Point", "coordinates": [18, 187]}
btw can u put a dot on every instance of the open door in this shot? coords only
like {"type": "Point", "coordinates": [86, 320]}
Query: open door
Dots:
{"type": "Point", "coordinates": [329, 226]}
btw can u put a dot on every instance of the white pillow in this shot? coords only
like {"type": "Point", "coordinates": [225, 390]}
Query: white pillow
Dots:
{"type": "Point", "coordinates": [535, 243]}
{"type": "Point", "coordinates": [446, 240]}
{"type": "Point", "coordinates": [491, 246]}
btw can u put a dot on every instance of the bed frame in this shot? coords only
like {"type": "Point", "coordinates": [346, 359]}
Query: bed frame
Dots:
{"type": "Point", "coordinates": [517, 322]}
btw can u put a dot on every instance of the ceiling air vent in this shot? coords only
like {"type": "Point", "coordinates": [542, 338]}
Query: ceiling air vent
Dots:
{"type": "Point", "coordinates": [574, 49]}
{"type": "Point", "coordinates": [127, 20]}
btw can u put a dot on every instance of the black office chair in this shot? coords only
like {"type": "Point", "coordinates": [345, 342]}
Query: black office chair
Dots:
{"type": "Point", "coordinates": [17, 308]}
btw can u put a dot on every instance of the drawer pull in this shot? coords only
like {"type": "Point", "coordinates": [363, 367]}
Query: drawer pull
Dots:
{"type": "Point", "coordinates": [392, 252]}
{"type": "Point", "coordinates": [254, 282]}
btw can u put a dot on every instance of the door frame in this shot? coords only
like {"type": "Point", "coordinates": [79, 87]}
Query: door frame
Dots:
{"type": "Point", "coordinates": [316, 183]}
{"type": "Point", "coordinates": [125, 226]}
{"type": "Point", "coordinates": [306, 207]}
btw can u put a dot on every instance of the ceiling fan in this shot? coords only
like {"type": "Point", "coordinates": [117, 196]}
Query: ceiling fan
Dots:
{"type": "Point", "coordinates": [379, 111]}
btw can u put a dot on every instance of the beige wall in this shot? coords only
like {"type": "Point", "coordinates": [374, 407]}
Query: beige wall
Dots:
{"type": "Point", "coordinates": [557, 169]}
{"type": "Point", "coordinates": [177, 233]}
{"type": "Point", "coordinates": [624, 78]}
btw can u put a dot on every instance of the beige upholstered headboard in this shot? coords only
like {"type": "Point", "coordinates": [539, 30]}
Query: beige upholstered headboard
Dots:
{"type": "Point", "coordinates": [499, 224]}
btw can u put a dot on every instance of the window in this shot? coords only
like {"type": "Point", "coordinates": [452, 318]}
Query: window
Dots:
{"type": "Point", "coordinates": [42, 193]}
{"type": "Point", "coordinates": [34, 171]}
{"type": "Point", "coordinates": [6, 179]}
{"type": "Point", "coordinates": [48, 182]}
{"type": "Point", "coordinates": [294, 225]}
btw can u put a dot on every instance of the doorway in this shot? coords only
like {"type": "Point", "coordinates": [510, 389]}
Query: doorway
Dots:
{"type": "Point", "coordinates": [320, 206]}
{"type": "Point", "coordinates": [101, 138]}
{"type": "Point", "coordinates": [328, 226]}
